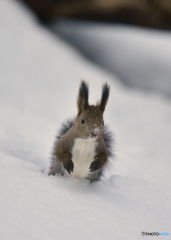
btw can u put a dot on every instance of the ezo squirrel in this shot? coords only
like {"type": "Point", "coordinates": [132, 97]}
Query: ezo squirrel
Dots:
{"type": "Point", "coordinates": [84, 144]}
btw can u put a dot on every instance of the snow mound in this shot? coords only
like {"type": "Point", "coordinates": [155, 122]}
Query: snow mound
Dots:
{"type": "Point", "coordinates": [141, 58]}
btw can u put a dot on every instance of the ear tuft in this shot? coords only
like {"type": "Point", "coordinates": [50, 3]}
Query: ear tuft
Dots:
{"type": "Point", "coordinates": [104, 98]}
{"type": "Point", "coordinates": [82, 101]}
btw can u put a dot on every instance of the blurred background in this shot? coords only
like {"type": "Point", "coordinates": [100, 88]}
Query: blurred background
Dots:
{"type": "Point", "coordinates": [146, 13]}
{"type": "Point", "coordinates": [128, 38]}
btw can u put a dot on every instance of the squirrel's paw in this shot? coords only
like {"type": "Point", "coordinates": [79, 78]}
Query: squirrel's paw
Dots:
{"type": "Point", "coordinates": [69, 166]}
{"type": "Point", "coordinates": [95, 165]}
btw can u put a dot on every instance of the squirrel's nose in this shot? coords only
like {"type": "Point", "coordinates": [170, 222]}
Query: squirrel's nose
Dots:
{"type": "Point", "coordinates": [94, 132]}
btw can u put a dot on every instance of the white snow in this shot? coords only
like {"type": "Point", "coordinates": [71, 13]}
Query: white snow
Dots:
{"type": "Point", "coordinates": [139, 57]}
{"type": "Point", "coordinates": [39, 79]}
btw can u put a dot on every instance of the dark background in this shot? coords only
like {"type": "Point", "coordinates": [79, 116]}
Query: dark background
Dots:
{"type": "Point", "coordinates": [146, 13]}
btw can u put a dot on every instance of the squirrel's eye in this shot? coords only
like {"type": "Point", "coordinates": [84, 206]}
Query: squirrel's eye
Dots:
{"type": "Point", "coordinates": [103, 124]}
{"type": "Point", "coordinates": [82, 121]}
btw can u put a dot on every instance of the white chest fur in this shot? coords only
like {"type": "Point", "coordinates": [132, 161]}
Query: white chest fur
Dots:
{"type": "Point", "coordinates": [83, 153]}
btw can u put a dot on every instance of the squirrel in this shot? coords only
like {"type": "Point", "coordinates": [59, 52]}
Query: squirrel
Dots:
{"type": "Point", "coordinates": [84, 144]}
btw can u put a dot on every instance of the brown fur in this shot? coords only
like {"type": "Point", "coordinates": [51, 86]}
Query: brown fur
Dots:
{"type": "Point", "coordinates": [93, 117]}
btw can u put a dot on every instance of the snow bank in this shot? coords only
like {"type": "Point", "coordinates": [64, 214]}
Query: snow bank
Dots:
{"type": "Point", "coordinates": [139, 57]}
{"type": "Point", "coordinates": [35, 206]}
{"type": "Point", "coordinates": [40, 76]}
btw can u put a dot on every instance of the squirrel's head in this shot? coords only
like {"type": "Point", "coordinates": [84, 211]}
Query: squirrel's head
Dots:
{"type": "Point", "coordinates": [89, 121]}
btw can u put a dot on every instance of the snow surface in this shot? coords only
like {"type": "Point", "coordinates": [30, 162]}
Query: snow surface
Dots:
{"type": "Point", "coordinates": [39, 79]}
{"type": "Point", "coordinates": [139, 57]}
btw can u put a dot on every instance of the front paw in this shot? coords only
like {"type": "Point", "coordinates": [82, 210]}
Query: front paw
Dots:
{"type": "Point", "coordinates": [69, 166]}
{"type": "Point", "coordinates": [95, 165]}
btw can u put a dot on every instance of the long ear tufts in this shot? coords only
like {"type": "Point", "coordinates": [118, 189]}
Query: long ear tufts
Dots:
{"type": "Point", "coordinates": [105, 96]}
{"type": "Point", "coordinates": [82, 101]}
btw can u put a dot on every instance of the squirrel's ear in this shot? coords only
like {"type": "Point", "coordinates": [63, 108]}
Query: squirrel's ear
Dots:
{"type": "Point", "coordinates": [104, 98]}
{"type": "Point", "coordinates": [82, 101]}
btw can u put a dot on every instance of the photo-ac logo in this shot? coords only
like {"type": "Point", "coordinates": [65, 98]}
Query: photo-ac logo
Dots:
{"type": "Point", "coordinates": [155, 234]}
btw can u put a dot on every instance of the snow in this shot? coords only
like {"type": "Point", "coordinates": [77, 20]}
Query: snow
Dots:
{"type": "Point", "coordinates": [40, 75]}
{"type": "Point", "coordinates": [141, 58]}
